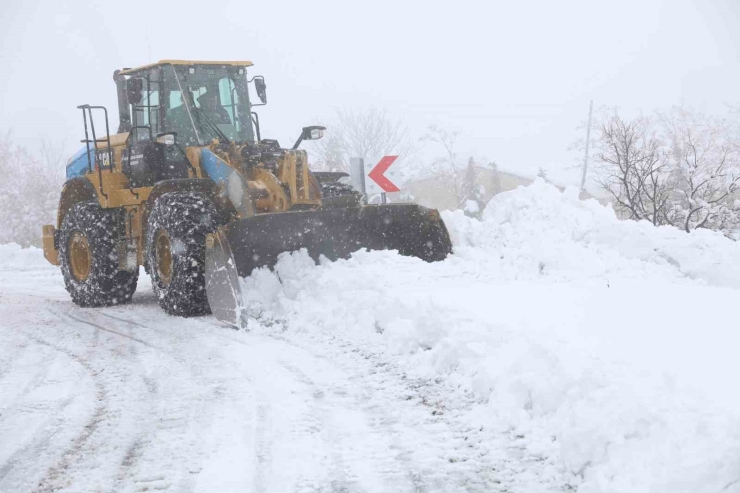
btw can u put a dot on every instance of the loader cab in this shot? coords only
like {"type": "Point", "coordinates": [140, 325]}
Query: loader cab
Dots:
{"type": "Point", "coordinates": [174, 104]}
{"type": "Point", "coordinates": [195, 102]}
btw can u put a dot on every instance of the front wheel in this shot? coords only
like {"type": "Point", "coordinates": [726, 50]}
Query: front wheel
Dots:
{"type": "Point", "coordinates": [175, 250]}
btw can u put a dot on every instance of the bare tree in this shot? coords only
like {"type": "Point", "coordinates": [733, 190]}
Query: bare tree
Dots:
{"type": "Point", "coordinates": [446, 166]}
{"type": "Point", "coordinates": [681, 168]}
{"type": "Point", "coordinates": [472, 191]}
{"type": "Point", "coordinates": [495, 182]}
{"type": "Point", "coordinates": [542, 173]}
{"type": "Point", "coordinates": [52, 156]}
{"type": "Point", "coordinates": [367, 134]}
{"type": "Point", "coordinates": [29, 194]}
{"type": "Point", "coordinates": [632, 167]}
{"type": "Point", "coordinates": [706, 170]}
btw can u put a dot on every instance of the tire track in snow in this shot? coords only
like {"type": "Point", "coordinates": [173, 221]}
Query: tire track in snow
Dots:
{"type": "Point", "coordinates": [9, 358]}
{"type": "Point", "coordinates": [424, 413]}
{"type": "Point", "coordinates": [53, 474]}
{"type": "Point", "coordinates": [262, 429]}
{"type": "Point", "coordinates": [133, 449]}
{"type": "Point", "coordinates": [317, 417]}
{"type": "Point", "coordinates": [41, 415]}
{"type": "Point", "coordinates": [402, 464]}
{"type": "Point", "coordinates": [39, 376]}
{"type": "Point", "coordinates": [297, 425]}
{"type": "Point", "coordinates": [32, 450]}
{"type": "Point", "coordinates": [262, 448]}
{"type": "Point", "coordinates": [124, 413]}
{"type": "Point", "coordinates": [136, 446]}
{"type": "Point", "coordinates": [125, 320]}
{"type": "Point", "coordinates": [50, 426]}
{"type": "Point", "coordinates": [176, 418]}
{"type": "Point", "coordinates": [111, 331]}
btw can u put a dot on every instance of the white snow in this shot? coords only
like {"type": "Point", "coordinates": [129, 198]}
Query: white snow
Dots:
{"type": "Point", "coordinates": [129, 399]}
{"type": "Point", "coordinates": [557, 349]}
{"type": "Point", "coordinates": [609, 347]}
{"type": "Point", "coordinates": [13, 257]}
{"type": "Point", "coordinates": [471, 206]}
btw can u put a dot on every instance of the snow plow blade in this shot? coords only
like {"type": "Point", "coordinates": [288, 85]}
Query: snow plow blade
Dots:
{"type": "Point", "coordinates": [247, 244]}
{"type": "Point", "coordinates": [336, 233]}
{"type": "Point", "coordinates": [222, 281]}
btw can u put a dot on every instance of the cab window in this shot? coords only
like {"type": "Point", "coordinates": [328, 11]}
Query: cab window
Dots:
{"type": "Point", "coordinates": [229, 99]}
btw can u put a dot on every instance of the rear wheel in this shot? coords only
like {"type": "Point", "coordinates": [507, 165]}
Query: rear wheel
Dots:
{"type": "Point", "coordinates": [176, 242]}
{"type": "Point", "coordinates": [89, 257]}
{"type": "Point", "coordinates": [334, 193]}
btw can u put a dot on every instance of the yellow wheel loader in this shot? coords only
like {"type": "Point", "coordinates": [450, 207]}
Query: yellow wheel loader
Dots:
{"type": "Point", "coordinates": [189, 189]}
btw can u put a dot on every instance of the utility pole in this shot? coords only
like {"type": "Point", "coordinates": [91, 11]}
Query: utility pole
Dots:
{"type": "Point", "coordinates": [588, 143]}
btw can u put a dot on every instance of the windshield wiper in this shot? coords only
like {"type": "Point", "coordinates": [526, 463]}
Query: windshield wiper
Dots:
{"type": "Point", "coordinates": [213, 126]}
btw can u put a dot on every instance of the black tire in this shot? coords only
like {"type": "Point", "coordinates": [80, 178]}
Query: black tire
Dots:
{"type": "Point", "coordinates": [97, 228]}
{"type": "Point", "coordinates": [337, 194]}
{"type": "Point", "coordinates": [182, 220]}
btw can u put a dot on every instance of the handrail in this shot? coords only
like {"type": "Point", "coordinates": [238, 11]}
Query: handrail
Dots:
{"type": "Point", "coordinates": [107, 132]}
{"type": "Point", "coordinates": [94, 140]}
{"type": "Point", "coordinates": [87, 139]}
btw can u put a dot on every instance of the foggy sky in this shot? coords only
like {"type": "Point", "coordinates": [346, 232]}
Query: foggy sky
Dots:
{"type": "Point", "coordinates": [514, 78]}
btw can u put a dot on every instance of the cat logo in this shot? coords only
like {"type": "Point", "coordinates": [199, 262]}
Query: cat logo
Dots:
{"type": "Point", "coordinates": [104, 160]}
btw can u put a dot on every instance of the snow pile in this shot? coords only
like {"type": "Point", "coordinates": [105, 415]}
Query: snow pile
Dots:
{"type": "Point", "coordinates": [608, 346]}
{"type": "Point", "coordinates": [13, 257]}
{"type": "Point", "coordinates": [554, 233]}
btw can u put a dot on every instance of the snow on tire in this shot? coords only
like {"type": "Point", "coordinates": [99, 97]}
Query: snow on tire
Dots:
{"type": "Point", "coordinates": [338, 194]}
{"type": "Point", "coordinates": [89, 258]}
{"type": "Point", "coordinates": [175, 251]}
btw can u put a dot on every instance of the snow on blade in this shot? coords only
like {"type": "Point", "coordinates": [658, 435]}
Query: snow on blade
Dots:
{"type": "Point", "coordinates": [605, 345]}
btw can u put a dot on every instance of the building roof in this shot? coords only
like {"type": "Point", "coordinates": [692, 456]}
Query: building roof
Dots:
{"type": "Point", "coordinates": [240, 63]}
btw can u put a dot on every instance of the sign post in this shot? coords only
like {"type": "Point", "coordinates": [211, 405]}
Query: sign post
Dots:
{"type": "Point", "coordinates": [357, 173]}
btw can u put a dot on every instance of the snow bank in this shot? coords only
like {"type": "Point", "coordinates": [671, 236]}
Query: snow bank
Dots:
{"type": "Point", "coordinates": [608, 346]}
{"type": "Point", "coordinates": [13, 257]}
{"type": "Point", "coordinates": [540, 230]}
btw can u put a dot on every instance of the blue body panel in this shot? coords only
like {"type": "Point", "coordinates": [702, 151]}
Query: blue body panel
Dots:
{"type": "Point", "coordinates": [224, 175]}
{"type": "Point", "coordinates": [215, 168]}
{"type": "Point", "coordinates": [78, 164]}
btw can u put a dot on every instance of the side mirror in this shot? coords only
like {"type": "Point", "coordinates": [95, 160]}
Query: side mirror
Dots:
{"type": "Point", "coordinates": [167, 138]}
{"type": "Point", "coordinates": [314, 132]}
{"type": "Point", "coordinates": [261, 87]}
{"type": "Point", "coordinates": [134, 87]}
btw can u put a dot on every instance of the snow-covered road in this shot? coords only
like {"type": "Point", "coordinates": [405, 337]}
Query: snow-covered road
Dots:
{"type": "Point", "coordinates": [130, 399]}
{"type": "Point", "coordinates": [558, 349]}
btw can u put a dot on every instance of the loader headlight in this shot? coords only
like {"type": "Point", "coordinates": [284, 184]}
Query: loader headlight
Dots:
{"type": "Point", "coordinates": [313, 133]}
